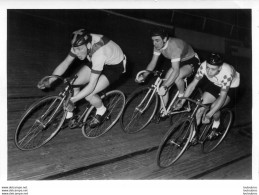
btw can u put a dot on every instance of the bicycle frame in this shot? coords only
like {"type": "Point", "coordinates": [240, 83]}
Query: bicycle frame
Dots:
{"type": "Point", "coordinates": [193, 116]}
{"type": "Point", "coordinates": [66, 94]}
{"type": "Point", "coordinates": [154, 89]}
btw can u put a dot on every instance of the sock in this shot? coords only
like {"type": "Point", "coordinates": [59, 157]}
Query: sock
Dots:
{"type": "Point", "coordinates": [69, 115]}
{"type": "Point", "coordinates": [216, 124]}
{"type": "Point", "coordinates": [101, 110]}
{"type": "Point", "coordinates": [180, 95]}
{"type": "Point", "coordinates": [193, 134]}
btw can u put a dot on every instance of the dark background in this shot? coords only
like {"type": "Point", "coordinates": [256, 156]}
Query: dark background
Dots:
{"type": "Point", "coordinates": [39, 39]}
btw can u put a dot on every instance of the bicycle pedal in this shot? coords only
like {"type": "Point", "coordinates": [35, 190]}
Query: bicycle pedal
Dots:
{"type": "Point", "coordinates": [194, 141]}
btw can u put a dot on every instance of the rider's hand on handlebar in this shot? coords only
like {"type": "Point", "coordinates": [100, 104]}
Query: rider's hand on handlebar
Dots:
{"type": "Point", "coordinates": [162, 90]}
{"type": "Point", "coordinates": [70, 106]}
{"type": "Point", "coordinates": [205, 119]}
{"type": "Point", "coordinates": [179, 105]}
{"type": "Point", "coordinates": [44, 83]}
{"type": "Point", "coordinates": [141, 78]}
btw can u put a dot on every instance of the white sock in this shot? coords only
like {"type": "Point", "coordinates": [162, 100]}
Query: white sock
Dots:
{"type": "Point", "coordinates": [180, 95]}
{"type": "Point", "coordinates": [193, 134]}
{"type": "Point", "coordinates": [69, 115]}
{"type": "Point", "coordinates": [216, 124]}
{"type": "Point", "coordinates": [101, 110]}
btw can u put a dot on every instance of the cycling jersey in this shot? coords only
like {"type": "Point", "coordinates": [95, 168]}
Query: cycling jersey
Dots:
{"type": "Point", "coordinates": [103, 52]}
{"type": "Point", "coordinates": [227, 78]}
{"type": "Point", "coordinates": [176, 50]}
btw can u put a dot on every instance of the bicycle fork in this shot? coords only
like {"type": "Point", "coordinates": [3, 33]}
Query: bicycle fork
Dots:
{"type": "Point", "coordinates": [138, 108]}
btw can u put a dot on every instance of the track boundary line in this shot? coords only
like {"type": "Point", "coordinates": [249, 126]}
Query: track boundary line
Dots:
{"type": "Point", "coordinates": [219, 167]}
{"type": "Point", "coordinates": [106, 162]}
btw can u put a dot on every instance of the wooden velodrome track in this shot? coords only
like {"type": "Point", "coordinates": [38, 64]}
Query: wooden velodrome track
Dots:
{"type": "Point", "coordinates": [115, 155]}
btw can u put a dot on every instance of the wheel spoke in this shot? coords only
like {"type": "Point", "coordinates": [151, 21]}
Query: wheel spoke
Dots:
{"type": "Point", "coordinates": [174, 143]}
{"type": "Point", "coordinates": [114, 101]}
{"type": "Point", "coordinates": [211, 141]}
{"type": "Point", "coordinates": [139, 110]}
{"type": "Point", "coordinates": [40, 123]}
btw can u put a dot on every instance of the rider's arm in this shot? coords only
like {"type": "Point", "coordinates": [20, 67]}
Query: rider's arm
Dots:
{"type": "Point", "coordinates": [218, 103]}
{"type": "Point", "coordinates": [174, 74]}
{"type": "Point", "coordinates": [62, 67]}
{"type": "Point", "coordinates": [87, 90]}
{"type": "Point", "coordinates": [98, 61]}
{"type": "Point", "coordinates": [152, 64]}
{"type": "Point", "coordinates": [191, 87]}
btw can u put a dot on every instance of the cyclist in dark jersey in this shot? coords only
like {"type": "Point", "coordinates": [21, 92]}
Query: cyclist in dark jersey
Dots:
{"type": "Point", "coordinates": [108, 64]}
{"type": "Point", "coordinates": [184, 61]}
{"type": "Point", "coordinates": [220, 81]}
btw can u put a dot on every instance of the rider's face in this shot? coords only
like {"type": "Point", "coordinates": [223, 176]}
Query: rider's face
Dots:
{"type": "Point", "coordinates": [212, 70]}
{"type": "Point", "coordinates": [80, 51]}
{"type": "Point", "coordinates": [158, 42]}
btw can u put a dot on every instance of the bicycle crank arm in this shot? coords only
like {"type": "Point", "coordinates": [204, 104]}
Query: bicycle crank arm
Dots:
{"type": "Point", "coordinates": [38, 121]}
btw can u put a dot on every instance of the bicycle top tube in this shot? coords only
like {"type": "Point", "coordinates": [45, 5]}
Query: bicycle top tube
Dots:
{"type": "Point", "coordinates": [68, 81]}
{"type": "Point", "coordinates": [198, 102]}
{"type": "Point", "coordinates": [156, 73]}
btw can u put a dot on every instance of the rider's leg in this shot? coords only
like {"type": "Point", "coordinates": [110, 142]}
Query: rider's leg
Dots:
{"type": "Point", "coordinates": [94, 98]}
{"type": "Point", "coordinates": [185, 71]}
{"type": "Point", "coordinates": [83, 78]}
{"type": "Point", "coordinates": [207, 98]}
{"type": "Point", "coordinates": [216, 115]}
{"type": "Point", "coordinates": [166, 96]}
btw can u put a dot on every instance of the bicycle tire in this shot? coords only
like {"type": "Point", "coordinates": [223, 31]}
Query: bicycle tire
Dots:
{"type": "Point", "coordinates": [226, 118]}
{"type": "Point", "coordinates": [114, 101]}
{"type": "Point", "coordinates": [197, 94]}
{"type": "Point", "coordinates": [175, 142]}
{"type": "Point", "coordinates": [30, 133]}
{"type": "Point", "coordinates": [132, 120]}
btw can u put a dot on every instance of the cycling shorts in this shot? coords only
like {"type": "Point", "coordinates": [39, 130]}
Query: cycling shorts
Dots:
{"type": "Point", "coordinates": [207, 86]}
{"type": "Point", "coordinates": [194, 62]}
{"type": "Point", "coordinates": [113, 72]}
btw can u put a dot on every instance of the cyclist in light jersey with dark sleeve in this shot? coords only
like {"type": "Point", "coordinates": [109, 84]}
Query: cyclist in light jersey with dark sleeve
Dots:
{"type": "Point", "coordinates": [220, 81]}
{"type": "Point", "coordinates": [108, 64]}
{"type": "Point", "coordinates": [184, 61]}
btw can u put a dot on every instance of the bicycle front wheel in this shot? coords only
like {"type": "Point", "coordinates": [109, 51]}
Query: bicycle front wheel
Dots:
{"type": "Point", "coordinates": [174, 142]}
{"type": "Point", "coordinates": [114, 101]}
{"type": "Point", "coordinates": [211, 143]}
{"type": "Point", "coordinates": [40, 123]}
{"type": "Point", "coordinates": [139, 110]}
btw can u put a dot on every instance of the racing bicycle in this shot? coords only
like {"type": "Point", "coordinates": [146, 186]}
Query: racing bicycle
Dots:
{"type": "Point", "coordinates": [142, 104]}
{"type": "Point", "coordinates": [180, 136]}
{"type": "Point", "coordinates": [44, 118]}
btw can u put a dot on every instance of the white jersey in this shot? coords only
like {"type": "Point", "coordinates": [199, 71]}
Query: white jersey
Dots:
{"type": "Point", "coordinates": [227, 78]}
{"type": "Point", "coordinates": [103, 52]}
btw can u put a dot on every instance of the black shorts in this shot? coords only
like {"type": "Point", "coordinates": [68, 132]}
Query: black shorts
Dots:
{"type": "Point", "coordinates": [113, 72]}
{"type": "Point", "coordinates": [194, 62]}
{"type": "Point", "coordinates": [207, 86]}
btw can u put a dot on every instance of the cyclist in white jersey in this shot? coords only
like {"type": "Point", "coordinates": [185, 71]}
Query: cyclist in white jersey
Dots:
{"type": "Point", "coordinates": [220, 81]}
{"type": "Point", "coordinates": [184, 61]}
{"type": "Point", "coordinates": [108, 64]}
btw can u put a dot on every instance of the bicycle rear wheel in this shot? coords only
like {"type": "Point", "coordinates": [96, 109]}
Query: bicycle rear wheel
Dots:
{"type": "Point", "coordinates": [114, 101]}
{"type": "Point", "coordinates": [196, 94]}
{"type": "Point", "coordinates": [174, 142]}
{"type": "Point", "coordinates": [40, 123]}
{"type": "Point", "coordinates": [134, 118]}
{"type": "Point", "coordinates": [211, 143]}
